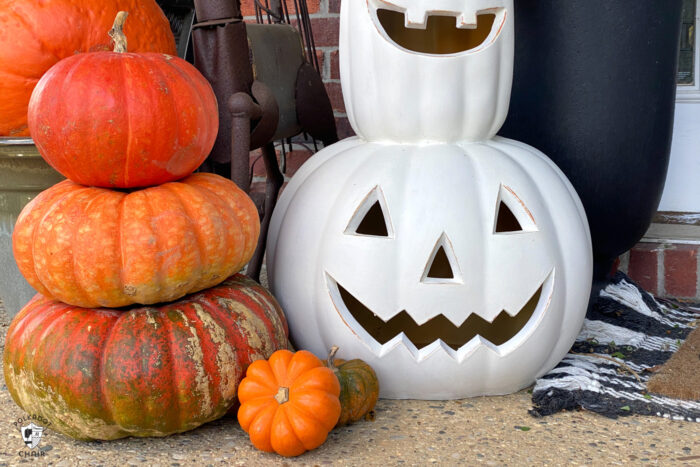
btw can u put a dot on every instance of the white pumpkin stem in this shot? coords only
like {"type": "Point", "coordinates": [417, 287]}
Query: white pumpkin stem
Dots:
{"type": "Point", "coordinates": [117, 32]}
{"type": "Point", "coordinates": [282, 395]}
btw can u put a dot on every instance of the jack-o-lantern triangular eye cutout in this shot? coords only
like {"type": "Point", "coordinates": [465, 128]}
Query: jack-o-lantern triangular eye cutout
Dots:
{"type": "Point", "coordinates": [371, 218]}
{"type": "Point", "coordinates": [512, 215]}
{"type": "Point", "coordinates": [373, 223]}
{"type": "Point", "coordinates": [506, 220]}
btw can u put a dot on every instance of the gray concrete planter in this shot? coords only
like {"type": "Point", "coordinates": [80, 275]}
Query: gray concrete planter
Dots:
{"type": "Point", "coordinates": [23, 174]}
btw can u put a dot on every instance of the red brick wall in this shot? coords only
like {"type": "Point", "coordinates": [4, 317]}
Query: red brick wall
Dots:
{"type": "Point", "coordinates": [325, 15]}
{"type": "Point", "coordinates": [665, 269]}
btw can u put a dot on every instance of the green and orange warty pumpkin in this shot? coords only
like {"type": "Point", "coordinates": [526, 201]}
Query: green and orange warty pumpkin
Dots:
{"type": "Point", "coordinates": [150, 371]}
{"type": "Point", "coordinates": [34, 35]}
{"type": "Point", "coordinates": [359, 388]}
{"type": "Point", "coordinates": [123, 120]}
{"type": "Point", "coordinates": [96, 247]}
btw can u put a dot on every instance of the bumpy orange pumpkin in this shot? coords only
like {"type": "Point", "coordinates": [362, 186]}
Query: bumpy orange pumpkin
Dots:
{"type": "Point", "coordinates": [106, 374]}
{"type": "Point", "coordinates": [94, 247]}
{"type": "Point", "coordinates": [123, 120]}
{"type": "Point", "coordinates": [289, 403]}
{"type": "Point", "coordinates": [34, 35]}
{"type": "Point", "coordinates": [359, 388]}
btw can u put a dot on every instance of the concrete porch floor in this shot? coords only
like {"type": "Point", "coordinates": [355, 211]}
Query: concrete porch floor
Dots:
{"type": "Point", "coordinates": [484, 430]}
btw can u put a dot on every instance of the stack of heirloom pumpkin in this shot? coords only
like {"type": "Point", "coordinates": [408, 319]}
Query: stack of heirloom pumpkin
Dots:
{"type": "Point", "coordinates": [132, 226]}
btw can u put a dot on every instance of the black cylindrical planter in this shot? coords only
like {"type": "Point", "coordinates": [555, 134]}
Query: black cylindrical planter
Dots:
{"type": "Point", "coordinates": [594, 89]}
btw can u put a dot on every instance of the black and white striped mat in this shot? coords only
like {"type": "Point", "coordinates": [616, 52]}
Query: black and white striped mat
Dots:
{"type": "Point", "coordinates": [628, 325]}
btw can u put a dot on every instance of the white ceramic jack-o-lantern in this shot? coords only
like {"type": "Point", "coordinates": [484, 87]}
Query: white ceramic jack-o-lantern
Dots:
{"type": "Point", "coordinates": [454, 270]}
{"type": "Point", "coordinates": [416, 71]}
{"type": "Point", "coordinates": [454, 262]}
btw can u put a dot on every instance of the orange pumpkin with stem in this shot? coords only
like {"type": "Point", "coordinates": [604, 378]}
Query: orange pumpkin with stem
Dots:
{"type": "Point", "coordinates": [289, 403]}
{"type": "Point", "coordinates": [118, 119]}
{"type": "Point", "coordinates": [35, 35]}
{"type": "Point", "coordinates": [359, 388]}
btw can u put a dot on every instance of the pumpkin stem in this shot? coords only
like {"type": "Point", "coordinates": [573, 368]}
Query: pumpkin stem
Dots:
{"type": "Point", "coordinates": [282, 395]}
{"type": "Point", "coordinates": [117, 32]}
{"type": "Point", "coordinates": [331, 356]}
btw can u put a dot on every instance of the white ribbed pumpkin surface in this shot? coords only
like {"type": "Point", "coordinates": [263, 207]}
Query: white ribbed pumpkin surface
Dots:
{"type": "Point", "coordinates": [433, 195]}
{"type": "Point", "coordinates": [394, 94]}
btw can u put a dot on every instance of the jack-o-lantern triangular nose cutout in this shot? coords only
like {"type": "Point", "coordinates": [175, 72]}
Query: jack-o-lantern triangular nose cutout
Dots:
{"type": "Point", "coordinates": [506, 220]}
{"type": "Point", "coordinates": [370, 218]}
{"type": "Point", "coordinates": [441, 269]}
{"type": "Point", "coordinates": [442, 266]}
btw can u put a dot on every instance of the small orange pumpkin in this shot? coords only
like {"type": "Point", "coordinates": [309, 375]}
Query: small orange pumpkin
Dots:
{"type": "Point", "coordinates": [289, 403]}
{"type": "Point", "coordinates": [359, 388]}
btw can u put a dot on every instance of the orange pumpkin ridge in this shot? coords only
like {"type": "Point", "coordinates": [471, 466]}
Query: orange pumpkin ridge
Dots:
{"type": "Point", "coordinates": [151, 371]}
{"type": "Point", "coordinates": [94, 247]}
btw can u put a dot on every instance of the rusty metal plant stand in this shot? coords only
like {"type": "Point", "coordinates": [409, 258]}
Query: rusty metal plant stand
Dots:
{"type": "Point", "coordinates": [249, 114]}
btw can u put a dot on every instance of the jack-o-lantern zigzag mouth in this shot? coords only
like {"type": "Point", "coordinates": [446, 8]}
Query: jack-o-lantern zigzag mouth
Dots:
{"type": "Point", "coordinates": [503, 328]}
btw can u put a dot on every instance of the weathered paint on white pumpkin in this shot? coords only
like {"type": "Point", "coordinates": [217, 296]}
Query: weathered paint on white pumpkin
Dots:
{"type": "Point", "coordinates": [433, 195]}
{"type": "Point", "coordinates": [395, 94]}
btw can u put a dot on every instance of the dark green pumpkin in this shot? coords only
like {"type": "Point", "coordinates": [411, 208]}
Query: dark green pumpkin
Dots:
{"type": "Point", "coordinates": [359, 388]}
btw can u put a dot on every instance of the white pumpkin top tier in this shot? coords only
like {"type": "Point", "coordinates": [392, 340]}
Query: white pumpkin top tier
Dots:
{"type": "Point", "coordinates": [426, 71]}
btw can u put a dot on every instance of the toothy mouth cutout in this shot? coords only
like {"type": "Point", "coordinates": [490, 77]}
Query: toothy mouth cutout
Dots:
{"type": "Point", "coordinates": [440, 34]}
{"type": "Point", "coordinates": [439, 332]}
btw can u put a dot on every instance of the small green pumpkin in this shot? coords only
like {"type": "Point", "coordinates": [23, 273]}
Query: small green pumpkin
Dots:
{"type": "Point", "coordinates": [359, 388]}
